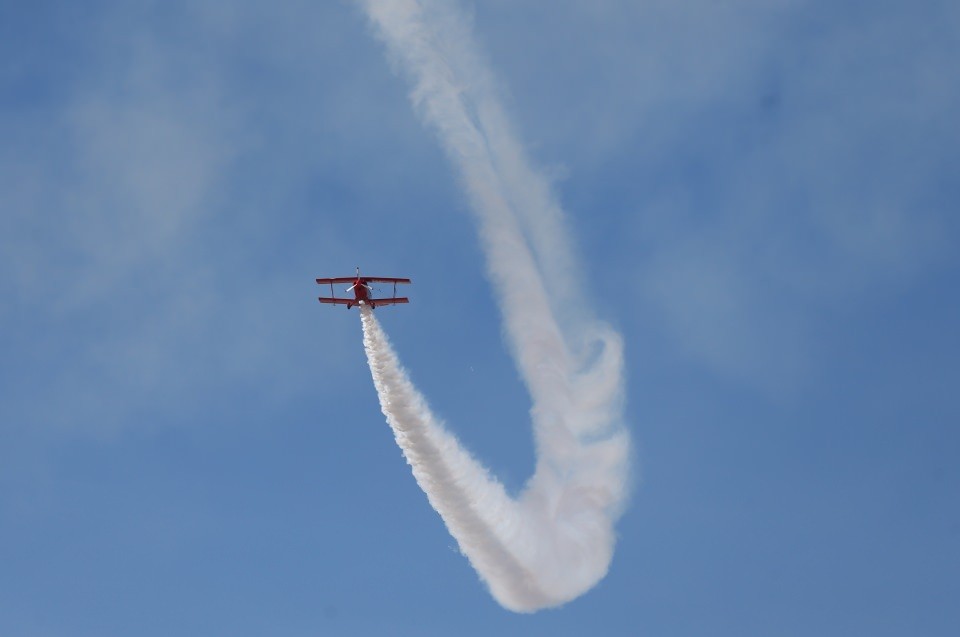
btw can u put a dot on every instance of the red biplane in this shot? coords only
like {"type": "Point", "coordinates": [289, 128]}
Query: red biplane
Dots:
{"type": "Point", "coordinates": [361, 291]}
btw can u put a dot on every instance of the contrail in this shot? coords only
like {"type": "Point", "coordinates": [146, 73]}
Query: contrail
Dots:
{"type": "Point", "coordinates": [556, 540]}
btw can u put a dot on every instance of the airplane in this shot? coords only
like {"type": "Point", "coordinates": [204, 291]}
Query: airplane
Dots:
{"type": "Point", "coordinates": [361, 291]}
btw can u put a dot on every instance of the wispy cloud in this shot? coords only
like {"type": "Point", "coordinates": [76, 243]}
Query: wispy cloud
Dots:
{"type": "Point", "coordinates": [779, 162]}
{"type": "Point", "coordinates": [125, 240]}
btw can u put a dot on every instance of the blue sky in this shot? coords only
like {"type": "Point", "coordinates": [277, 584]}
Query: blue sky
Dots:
{"type": "Point", "coordinates": [764, 198]}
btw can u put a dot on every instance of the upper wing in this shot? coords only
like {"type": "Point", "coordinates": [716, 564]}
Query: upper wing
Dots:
{"type": "Point", "coordinates": [342, 279]}
{"type": "Point", "coordinates": [382, 279]}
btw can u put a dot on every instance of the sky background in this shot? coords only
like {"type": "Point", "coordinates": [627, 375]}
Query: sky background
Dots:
{"type": "Point", "coordinates": [764, 197]}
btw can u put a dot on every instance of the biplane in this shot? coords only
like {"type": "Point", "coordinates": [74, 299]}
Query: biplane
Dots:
{"type": "Point", "coordinates": [361, 291]}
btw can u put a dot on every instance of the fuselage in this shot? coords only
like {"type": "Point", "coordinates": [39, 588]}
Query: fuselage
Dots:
{"type": "Point", "coordinates": [360, 292]}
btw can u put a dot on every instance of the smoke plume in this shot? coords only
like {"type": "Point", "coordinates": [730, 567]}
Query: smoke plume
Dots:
{"type": "Point", "coordinates": [556, 539]}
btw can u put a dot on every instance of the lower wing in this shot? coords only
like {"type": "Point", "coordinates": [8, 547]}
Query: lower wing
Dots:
{"type": "Point", "coordinates": [391, 301]}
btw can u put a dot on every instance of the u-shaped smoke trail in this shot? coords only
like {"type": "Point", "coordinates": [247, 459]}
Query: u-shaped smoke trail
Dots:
{"type": "Point", "coordinates": [556, 540]}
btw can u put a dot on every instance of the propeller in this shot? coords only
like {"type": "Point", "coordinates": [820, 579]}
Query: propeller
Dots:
{"type": "Point", "coordinates": [350, 289]}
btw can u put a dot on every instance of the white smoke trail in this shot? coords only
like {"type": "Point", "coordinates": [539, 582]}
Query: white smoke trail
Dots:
{"type": "Point", "coordinates": [556, 540]}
